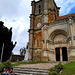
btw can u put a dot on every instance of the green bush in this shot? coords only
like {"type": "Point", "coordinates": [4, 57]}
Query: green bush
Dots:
{"type": "Point", "coordinates": [56, 69]}
{"type": "Point", "coordinates": [7, 64]}
{"type": "Point", "coordinates": [52, 73]}
{"type": "Point", "coordinates": [59, 66]}
{"type": "Point", "coordinates": [1, 68]}
{"type": "Point", "coordinates": [53, 69]}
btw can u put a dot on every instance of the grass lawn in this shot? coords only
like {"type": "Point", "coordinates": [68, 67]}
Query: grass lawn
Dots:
{"type": "Point", "coordinates": [69, 69]}
{"type": "Point", "coordinates": [19, 63]}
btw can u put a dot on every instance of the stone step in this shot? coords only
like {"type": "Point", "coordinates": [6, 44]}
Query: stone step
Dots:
{"type": "Point", "coordinates": [27, 72]}
{"type": "Point", "coordinates": [30, 71]}
{"type": "Point", "coordinates": [29, 68]}
{"type": "Point", "coordinates": [22, 74]}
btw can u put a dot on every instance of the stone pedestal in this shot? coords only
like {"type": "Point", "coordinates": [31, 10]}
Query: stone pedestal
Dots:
{"type": "Point", "coordinates": [45, 55]}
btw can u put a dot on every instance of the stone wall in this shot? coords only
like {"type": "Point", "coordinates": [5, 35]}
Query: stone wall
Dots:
{"type": "Point", "coordinates": [17, 57]}
{"type": "Point", "coordinates": [54, 32]}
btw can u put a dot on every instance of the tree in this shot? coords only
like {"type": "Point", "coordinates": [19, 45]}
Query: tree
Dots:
{"type": "Point", "coordinates": [5, 38]}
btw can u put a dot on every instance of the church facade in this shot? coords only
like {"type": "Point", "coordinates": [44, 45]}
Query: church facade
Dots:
{"type": "Point", "coordinates": [51, 37]}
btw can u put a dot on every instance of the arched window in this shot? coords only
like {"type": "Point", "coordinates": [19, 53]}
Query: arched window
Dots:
{"type": "Point", "coordinates": [39, 9]}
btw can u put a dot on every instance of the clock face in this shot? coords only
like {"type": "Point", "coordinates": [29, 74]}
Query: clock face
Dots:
{"type": "Point", "coordinates": [39, 24]}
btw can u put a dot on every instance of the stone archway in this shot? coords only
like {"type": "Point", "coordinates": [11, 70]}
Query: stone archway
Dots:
{"type": "Point", "coordinates": [59, 40]}
{"type": "Point", "coordinates": [58, 33]}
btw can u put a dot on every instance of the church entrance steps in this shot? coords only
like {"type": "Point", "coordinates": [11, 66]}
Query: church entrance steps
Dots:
{"type": "Point", "coordinates": [40, 65]}
{"type": "Point", "coordinates": [33, 69]}
{"type": "Point", "coordinates": [30, 71]}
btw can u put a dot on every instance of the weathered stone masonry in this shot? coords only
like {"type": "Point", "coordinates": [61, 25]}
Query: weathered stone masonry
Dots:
{"type": "Point", "coordinates": [51, 37]}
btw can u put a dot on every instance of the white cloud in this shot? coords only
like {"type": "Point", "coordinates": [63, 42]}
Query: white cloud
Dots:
{"type": "Point", "coordinates": [15, 13]}
{"type": "Point", "coordinates": [66, 6]}
{"type": "Point", "coordinates": [20, 31]}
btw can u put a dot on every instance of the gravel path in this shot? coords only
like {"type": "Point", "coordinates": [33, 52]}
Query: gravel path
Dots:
{"type": "Point", "coordinates": [40, 65]}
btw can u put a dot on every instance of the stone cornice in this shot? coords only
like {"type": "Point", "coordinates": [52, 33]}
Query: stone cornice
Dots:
{"type": "Point", "coordinates": [34, 30]}
{"type": "Point", "coordinates": [59, 22]}
{"type": "Point", "coordinates": [35, 48]}
{"type": "Point", "coordinates": [59, 43]}
{"type": "Point", "coordinates": [30, 30]}
{"type": "Point", "coordinates": [51, 42]}
{"type": "Point", "coordinates": [35, 14]}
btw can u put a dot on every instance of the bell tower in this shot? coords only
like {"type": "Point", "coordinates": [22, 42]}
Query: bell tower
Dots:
{"type": "Point", "coordinates": [53, 11]}
{"type": "Point", "coordinates": [43, 13]}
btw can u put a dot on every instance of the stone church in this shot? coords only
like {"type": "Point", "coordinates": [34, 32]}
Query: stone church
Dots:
{"type": "Point", "coordinates": [51, 37]}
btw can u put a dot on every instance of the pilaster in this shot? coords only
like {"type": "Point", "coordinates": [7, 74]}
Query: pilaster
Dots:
{"type": "Point", "coordinates": [70, 23]}
{"type": "Point", "coordinates": [32, 21]}
{"type": "Point", "coordinates": [31, 43]}
{"type": "Point", "coordinates": [45, 50]}
{"type": "Point", "coordinates": [45, 37]}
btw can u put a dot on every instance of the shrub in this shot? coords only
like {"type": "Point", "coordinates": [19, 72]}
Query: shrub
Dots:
{"type": "Point", "coordinates": [52, 73]}
{"type": "Point", "coordinates": [59, 67]}
{"type": "Point", "coordinates": [1, 68]}
{"type": "Point", "coordinates": [55, 70]}
{"type": "Point", "coordinates": [7, 64]}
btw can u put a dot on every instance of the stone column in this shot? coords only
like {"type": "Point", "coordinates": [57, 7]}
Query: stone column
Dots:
{"type": "Point", "coordinates": [72, 49]}
{"type": "Point", "coordinates": [45, 35]}
{"type": "Point", "coordinates": [31, 21]}
{"type": "Point", "coordinates": [61, 54]}
{"type": "Point", "coordinates": [70, 22]}
{"type": "Point", "coordinates": [45, 51]}
{"type": "Point", "coordinates": [31, 43]}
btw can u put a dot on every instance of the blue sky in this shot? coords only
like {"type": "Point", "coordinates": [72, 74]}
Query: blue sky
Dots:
{"type": "Point", "coordinates": [15, 13]}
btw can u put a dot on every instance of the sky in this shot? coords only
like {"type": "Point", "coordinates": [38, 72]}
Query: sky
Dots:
{"type": "Point", "coordinates": [15, 14]}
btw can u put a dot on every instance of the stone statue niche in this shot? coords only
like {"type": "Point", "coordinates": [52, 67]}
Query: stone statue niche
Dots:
{"type": "Point", "coordinates": [5, 38]}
